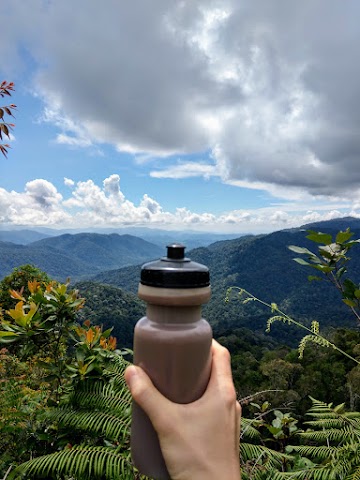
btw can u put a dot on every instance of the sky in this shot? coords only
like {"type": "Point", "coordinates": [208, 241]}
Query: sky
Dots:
{"type": "Point", "coordinates": [236, 116]}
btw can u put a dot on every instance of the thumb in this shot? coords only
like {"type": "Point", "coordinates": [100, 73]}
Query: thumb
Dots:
{"type": "Point", "coordinates": [146, 395]}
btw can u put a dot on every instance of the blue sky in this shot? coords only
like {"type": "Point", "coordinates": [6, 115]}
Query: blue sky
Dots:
{"type": "Point", "coordinates": [213, 116]}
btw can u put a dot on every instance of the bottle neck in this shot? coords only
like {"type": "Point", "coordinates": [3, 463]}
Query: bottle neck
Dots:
{"type": "Point", "coordinates": [179, 314]}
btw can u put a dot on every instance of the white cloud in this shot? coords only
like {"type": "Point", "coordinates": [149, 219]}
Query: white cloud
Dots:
{"type": "Point", "coordinates": [186, 170]}
{"type": "Point", "coordinates": [89, 205]}
{"type": "Point", "coordinates": [69, 182]}
{"type": "Point", "coordinates": [39, 204]}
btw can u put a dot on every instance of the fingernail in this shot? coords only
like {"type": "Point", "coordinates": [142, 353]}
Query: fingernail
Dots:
{"type": "Point", "coordinates": [130, 375]}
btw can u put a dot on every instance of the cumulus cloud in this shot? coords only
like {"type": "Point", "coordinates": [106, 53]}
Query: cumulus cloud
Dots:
{"type": "Point", "coordinates": [90, 205]}
{"type": "Point", "coordinates": [39, 204]}
{"type": "Point", "coordinates": [272, 88]}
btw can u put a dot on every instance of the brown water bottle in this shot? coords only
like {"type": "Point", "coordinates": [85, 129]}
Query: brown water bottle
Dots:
{"type": "Point", "coordinates": [172, 344]}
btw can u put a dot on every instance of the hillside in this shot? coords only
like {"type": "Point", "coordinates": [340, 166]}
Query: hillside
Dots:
{"type": "Point", "coordinates": [77, 255]}
{"type": "Point", "coordinates": [111, 307]}
{"type": "Point", "coordinates": [264, 266]}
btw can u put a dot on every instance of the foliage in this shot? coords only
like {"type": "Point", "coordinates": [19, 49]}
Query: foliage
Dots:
{"type": "Point", "coordinates": [5, 90]}
{"type": "Point", "coordinates": [18, 280]}
{"type": "Point", "coordinates": [92, 347]}
{"type": "Point", "coordinates": [263, 442]}
{"type": "Point", "coordinates": [22, 400]}
{"type": "Point", "coordinates": [78, 411]}
{"type": "Point", "coordinates": [313, 335]}
{"type": "Point", "coordinates": [331, 443]}
{"type": "Point", "coordinates": [97, 414]}
{"type": "Point", "coordinates": [40, 324]}
{"type": "Point", "coordinates": [331, 261]}
{"type": "Point", "coordinates": [111, 307]}
{"type": "Point", "coordinates": [329, 449]}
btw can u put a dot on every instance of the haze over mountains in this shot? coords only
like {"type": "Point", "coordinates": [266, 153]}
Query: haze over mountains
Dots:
{"type": "Point", "coordinates": [159, 237]}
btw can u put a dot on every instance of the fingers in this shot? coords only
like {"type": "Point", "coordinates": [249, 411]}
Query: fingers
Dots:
{"type": "Point", "coordinates": [221, 375]}
{"type": "Point", "coordinates": [238, 422]}
{"type": "Point", "coordinates": [145, 394]}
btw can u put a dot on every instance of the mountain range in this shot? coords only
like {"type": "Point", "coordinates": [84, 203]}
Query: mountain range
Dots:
{"type": "Point", "coordinates": [261, 264]}
{"type": "Point", "coordinates": [264, 266]}
{"type": "Point", "coordinates": [79, 255]}
{"type": "Point", "coordinates": [159, 237]}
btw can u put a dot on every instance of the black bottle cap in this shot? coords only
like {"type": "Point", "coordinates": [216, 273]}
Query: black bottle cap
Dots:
{"type": "Point", "coordinates": [175, 271]}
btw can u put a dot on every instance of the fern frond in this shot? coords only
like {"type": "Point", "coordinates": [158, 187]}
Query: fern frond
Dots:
{"type": "Point", "coordinates": [85, 463]}
{"type": "Point", "coordinates": [321, 453]}
{"type": "Point", "coordinates": [355, 475]}
{"type": "Point", "coordinates": [105, 403]}
{"type": "Point", "coordinates": [261, 454]}
{"type": "Point", "coordinates": [327, 423]}
{"type": "Point", "coordinates": [319, 472]}
{"type": "Point", "coordinates": [111, 426]}
{"type": "Point", "coordinates": [247, 429]}
{"type": "Point", "coordinates": [333, 435]}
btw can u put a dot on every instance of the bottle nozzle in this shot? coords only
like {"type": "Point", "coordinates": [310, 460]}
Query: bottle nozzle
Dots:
{"type": "Point", "coordinates": [175, 251]}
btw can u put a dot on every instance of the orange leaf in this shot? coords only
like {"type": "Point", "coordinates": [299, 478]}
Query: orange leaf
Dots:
{"type": "Point", "coordinates": [16, 295]}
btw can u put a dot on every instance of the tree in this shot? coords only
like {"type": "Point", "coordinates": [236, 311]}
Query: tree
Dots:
{"type": "Point", "coordinates": [5, 127]}
{"type": "Point", "coordinates": [18, 280]}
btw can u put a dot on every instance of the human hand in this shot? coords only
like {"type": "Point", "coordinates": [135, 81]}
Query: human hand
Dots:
{"type": "Point", "coordinates": [199, 440]}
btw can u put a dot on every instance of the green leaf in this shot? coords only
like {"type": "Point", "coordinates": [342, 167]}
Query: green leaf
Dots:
{"type": "Point", "coordinates": [357, 293]}
{"type": "Point", "coordinates": [352, 243]}
{"type": "Point", "coordinates": [349, 302]}
{"type": "Point", "coordinates": [312, 278]}
{"type": "Point", "coordinates": [8, 337]}
{"type": "Point", "coordinates": [319, 237]}
{"type": "Point", "coordinates": [340, 272]}
{"type": "Point", "coordinates": [323, 268]}
{"type": "Point", "coordinates": [342, 237]}
{"type": "Point", "coordinates": [107, 332]}
{"type": "Point", "coordinates": [301, 250]}
{"type": "Point", "coordinates": [301, 261]}
{"type": "Point", "coordinates": [274, 430]}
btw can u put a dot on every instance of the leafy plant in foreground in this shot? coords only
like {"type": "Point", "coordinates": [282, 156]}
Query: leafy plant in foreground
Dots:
{"type": "Point", "coordinates": [331, 261]}
{"type": "Point", "coordinates": [331, 443]}
{"type": "Point", "coordinates": [96, 416]}
{"type": "Point", "coordinates": [330, 448]}
{"type": "Point", "coordinates": [313, 335]}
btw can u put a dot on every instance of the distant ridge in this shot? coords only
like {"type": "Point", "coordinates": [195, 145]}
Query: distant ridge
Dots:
{"type": "Point", "coordinates": [335, 224]}
{"type": "Point", "coordinates": [78, 255]}
{"type": "Point", "coordinates": [22, 237]}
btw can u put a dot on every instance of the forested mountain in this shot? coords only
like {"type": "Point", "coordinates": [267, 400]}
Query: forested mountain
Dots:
{"type": "Point", "coordinates": [264, 266]}
{"type": "Point", "coordinates": [77, 255]}
{"type": "Point", "coordinates": [261, 264]}
{"type": "Point", "coordinates": [102, 251]}
{"type": "Point", "coordinates": [111, 307]}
